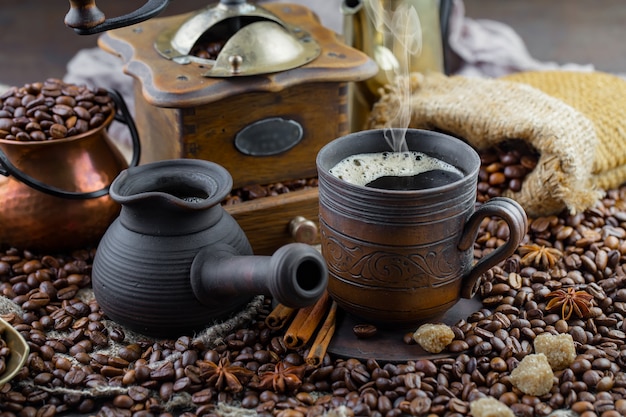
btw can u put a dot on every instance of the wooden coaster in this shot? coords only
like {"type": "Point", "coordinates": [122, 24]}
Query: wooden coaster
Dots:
{"type": "Point", "coordinates": [388, 344]}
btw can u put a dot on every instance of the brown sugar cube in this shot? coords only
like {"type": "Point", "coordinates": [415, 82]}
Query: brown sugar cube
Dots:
{"type": "Point", "coordinates": [559, 349]}
{"type": "Point", "coordinates": [433, 338]}
{"type": "Point", "coordinates": [533, 375]}
{"type": "Point", "coordinates": [490, 407]}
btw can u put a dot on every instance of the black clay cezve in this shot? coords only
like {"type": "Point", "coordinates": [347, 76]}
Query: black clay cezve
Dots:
{"type": "Point", "coordinates": [174, 260]}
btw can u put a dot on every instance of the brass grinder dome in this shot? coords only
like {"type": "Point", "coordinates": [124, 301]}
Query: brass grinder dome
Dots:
{"type": "Point", "coordinates": [241, 38]}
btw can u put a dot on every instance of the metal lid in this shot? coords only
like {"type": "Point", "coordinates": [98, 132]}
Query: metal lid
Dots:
{"type": "Point", "coordinates": [237, 39]}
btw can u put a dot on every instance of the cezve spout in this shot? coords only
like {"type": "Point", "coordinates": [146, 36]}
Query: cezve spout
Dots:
{"type": "Point", "coordinates": [295, 275]}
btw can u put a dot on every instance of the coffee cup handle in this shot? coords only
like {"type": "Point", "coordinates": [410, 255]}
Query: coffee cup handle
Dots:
{"type": "Point", "coordinates": [514, 216]}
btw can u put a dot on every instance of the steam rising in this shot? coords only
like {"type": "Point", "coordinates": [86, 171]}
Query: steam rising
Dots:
{"type": "Point", "coordinates": [402, 30]}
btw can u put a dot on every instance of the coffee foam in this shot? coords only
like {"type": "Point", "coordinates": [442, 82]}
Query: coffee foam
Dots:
{"type": "Point", "coordinates": [361, 169]}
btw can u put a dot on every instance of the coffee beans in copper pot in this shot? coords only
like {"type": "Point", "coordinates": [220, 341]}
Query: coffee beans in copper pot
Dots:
{"type": "Point", "coordinates": [51, 110]}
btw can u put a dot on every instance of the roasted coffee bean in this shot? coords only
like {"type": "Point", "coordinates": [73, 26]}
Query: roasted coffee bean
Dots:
{"type": "Point", "coordinates": [364, 331]}
{"type": "Point", "coordinates": [82, 112]}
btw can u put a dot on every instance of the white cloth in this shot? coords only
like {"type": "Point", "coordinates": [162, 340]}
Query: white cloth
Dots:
{"type": "Point", "coordinates": [488, 48]}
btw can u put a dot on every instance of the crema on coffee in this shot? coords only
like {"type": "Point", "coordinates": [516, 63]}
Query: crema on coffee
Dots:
{"type": "Point", "coordinates": [396, 170]}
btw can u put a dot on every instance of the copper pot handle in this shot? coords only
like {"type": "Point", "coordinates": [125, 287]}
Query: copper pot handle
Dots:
{"type": "Point", "coordinates": [123, 116]}
{"type": "Point", "coordinates": [7, 168]}
{"type": "Point", "coordinates": [514, 216]}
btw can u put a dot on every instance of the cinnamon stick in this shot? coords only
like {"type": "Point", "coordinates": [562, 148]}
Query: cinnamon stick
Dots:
{"type": "Point", "coordinates": [279, 317]}
{"type": "Point", "coordinates": [323, 338]}
{"type": "Point", "coordinates": [305, 322]}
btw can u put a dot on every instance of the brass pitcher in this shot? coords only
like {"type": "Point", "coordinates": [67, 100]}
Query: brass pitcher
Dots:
{"type": "Point", "coordinates": [55, 193]}
{"type": "Point", "coordinates": [365, 28]}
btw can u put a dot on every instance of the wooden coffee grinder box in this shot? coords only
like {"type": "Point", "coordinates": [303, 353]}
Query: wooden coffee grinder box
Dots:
{"type": "Point", "coordinates": [258, 90]}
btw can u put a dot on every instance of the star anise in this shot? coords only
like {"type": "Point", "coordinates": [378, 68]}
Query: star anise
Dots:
{"type": "Point", "coordinates": [223, 375]}
{"type": "Point", "coordinates": [536, 255]}
{"type": "Point", "coordinates": [570, 301]}
{"type": "Point", "coordinates": [284, 378]}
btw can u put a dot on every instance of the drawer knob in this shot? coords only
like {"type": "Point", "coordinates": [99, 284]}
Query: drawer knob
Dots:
{"type": "Point", "coordinates": [303, 230]}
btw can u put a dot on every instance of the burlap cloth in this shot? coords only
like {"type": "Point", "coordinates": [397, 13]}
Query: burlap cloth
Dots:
{"type": "Point", "coordinates": [574, 120]}
{"type": "Point", "coordinates": [210, 337]}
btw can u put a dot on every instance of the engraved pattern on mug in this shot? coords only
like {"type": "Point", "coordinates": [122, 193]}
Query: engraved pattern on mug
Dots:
{"type": "Point", "coordinates": [420, 267]}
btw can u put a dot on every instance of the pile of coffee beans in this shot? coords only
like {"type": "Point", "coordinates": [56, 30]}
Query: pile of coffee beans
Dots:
{"type": "Point", "coordinates": [52, 109]}
{"type": "Point", "coordinates": [504, 167]}
{"type": "Point", "coordinates": [256, 191]}
{"type": "Point", "coordinates": [72, 366]}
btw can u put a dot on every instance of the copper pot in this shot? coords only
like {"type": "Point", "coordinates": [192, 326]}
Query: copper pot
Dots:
{"type": "Point", "coordinates": [55, 193]}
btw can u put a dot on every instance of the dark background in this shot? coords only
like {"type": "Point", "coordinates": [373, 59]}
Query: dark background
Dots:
{"type": "Point", "coordinates": [35, 44]}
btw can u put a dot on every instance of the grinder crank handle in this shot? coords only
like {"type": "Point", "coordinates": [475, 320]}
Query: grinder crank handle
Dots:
{"type": "Point", "coordinates": [86, 19]}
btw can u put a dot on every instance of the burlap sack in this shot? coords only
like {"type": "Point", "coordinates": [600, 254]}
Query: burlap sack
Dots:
{"type": "Point", "coordinates": [601, 98]}
{"type": "Point", "coordinates": [568, 117]}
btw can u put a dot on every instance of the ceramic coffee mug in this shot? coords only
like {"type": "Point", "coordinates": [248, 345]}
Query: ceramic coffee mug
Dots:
{"type": "Point", "coordinates": [398, 256]}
